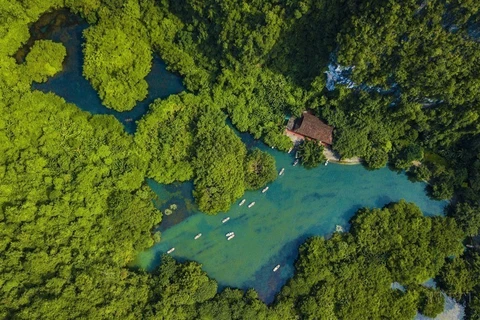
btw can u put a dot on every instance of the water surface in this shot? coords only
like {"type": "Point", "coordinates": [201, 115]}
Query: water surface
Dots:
{"type": "Point", "coordinates": [66, 27]}
{"type": "Point", "coordinates": [299, 204]}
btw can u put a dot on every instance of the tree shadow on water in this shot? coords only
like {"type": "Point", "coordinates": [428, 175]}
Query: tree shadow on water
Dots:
{"type": "Point", "coordinates": [269, 283]}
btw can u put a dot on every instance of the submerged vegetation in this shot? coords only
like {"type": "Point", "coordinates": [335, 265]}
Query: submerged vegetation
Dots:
{"type": "Point", "coordinates": [74, 205]}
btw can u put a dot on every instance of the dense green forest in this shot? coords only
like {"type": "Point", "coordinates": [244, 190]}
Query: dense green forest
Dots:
{"type": "Point", "coordinates": [75, 208]}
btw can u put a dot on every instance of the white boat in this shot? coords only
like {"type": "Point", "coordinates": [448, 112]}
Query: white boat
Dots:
{"type": "Point", "coordinates": [276, 268]}
{"type": "Point", "coordinates": [338, 228]}
{"type": "Point", "coordinates": [242, 202]}
{"type": "Point", "coordinates": [326, 162]}
{"type": "Point", "coordinates": [251, 204]}
{"type": "Point", "coordinates": [171, 250]}
{"type": "Point", "coordinates": [264, 189]}
{"type": "Point", "coordinates": [281, 171]}
{"type": "Point", "coordinates": [225, 219]}
{"type": "Point", "coordinates": [231, 237]}
{"type": "Point", "coordinates": [197, 236]}
{"type": "Point", "coordinates": [231, 233]}
{"type": "Point", "coordinates": [295, 163]}
{"type": "Point", "coordinates": [290, 150]}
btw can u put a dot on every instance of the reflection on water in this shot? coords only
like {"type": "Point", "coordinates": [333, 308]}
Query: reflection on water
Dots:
{"type": "Point", "coordinates": [299, 204]}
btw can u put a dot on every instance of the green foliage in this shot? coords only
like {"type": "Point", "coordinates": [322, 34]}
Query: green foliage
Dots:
{"type": "Point", "coordinates": [408, 155]}
{"type": "Point", "coordinates": [443, 189]}
{"type": "Point", "coordinates": [311, 153]}
{"type": "Point", "coordinates": [75, 211]}
{"type": "Point", "coordinates": [74, 206]}
{"type": "Point", "coordinates": [165, 134]}
{"type": "Point", "coordinates": [468, 218]}
{"type": "Point", "coordinates": [460, 275]}
{"type": "Point", "coordinates": [259, 169]}
{"type": "Point", "coordinates": [473, 311]}
{"type": "Point", "coordinates": [44, 60]}
{"type": "Point", "coordinates": [377, 159]}
{"type": "Point", "coordinates": [365, 125]}
{"type": "Point", "coordinates": [235, 304]}
{"type": "Point", "coordinates": [219, 160]}
{"type": "Point", "coordinates": [431, 302]}
{"type": "Point", "coordinates": [186, 137]}
{"type": "Point", "coordinates": [117, 60]}
{"type": "Point", "coordinates": [427, 235]}
{"type": "Point", "coordinates": [157, 237]}
{"type": "Point", "coordinates": [181, 284]}
{"type": "Point", "coordinates": [350, 275]}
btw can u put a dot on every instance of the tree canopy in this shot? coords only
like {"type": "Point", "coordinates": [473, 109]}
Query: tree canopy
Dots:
{"type": "Point", "coordinates": [118, 58]}
{"type": "Point", "coordinates": [74, 205]}
{"type": "Point", "coordinates": [311, 153]}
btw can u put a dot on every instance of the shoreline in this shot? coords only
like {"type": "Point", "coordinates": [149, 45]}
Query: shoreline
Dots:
{"type": "Point", "coordinates": [329, 154]}
{"type": "Point", "coordinates": [334, 157]}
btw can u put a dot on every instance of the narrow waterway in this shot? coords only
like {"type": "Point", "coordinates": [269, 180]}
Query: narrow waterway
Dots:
{"type": "Point", "coordinates": [66, 27]}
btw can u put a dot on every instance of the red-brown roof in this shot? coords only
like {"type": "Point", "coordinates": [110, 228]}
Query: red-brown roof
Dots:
{"type": "Point", "coordinates": [315, 128]}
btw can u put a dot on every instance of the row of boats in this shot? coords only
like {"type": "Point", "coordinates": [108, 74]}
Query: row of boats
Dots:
{"type": "Point", "coordinates": [230, 235]}
{"type": "Point", "coordinates": [250, 205]}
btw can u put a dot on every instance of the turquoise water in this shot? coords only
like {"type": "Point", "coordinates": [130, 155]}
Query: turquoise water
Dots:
{"type": "Point", "coordinates": [74, 88]}
{"type": "Point", "coordinates": [299, 204]}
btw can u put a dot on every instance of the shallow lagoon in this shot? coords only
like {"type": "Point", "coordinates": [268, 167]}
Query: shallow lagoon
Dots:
{"type": "Point", "coordinates": [299, 204]}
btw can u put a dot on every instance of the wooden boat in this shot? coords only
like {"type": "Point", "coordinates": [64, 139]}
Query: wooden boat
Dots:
{"type": "Point", "coordinates": [242, 202]}
{"type": "Point", "coordinates": [171, 250]}
{"type": "Point", "coordinates": [231, 233]}
{"type": "Point", "coordinates": [197, 236]}
{"type": "Point", "coordinates": [276, 268]}
{"type": "Point", "coordinates": [251, 204]}
{"type": "Point", "coordinates": [281, 171]}
{"type": "Point", "coordinates": [225, 219]}
{"type": "Point", "coordinates": [295, 163]}
{"type": "Point", "coordinates": [265, 190]}
{"type": "Point", "coordinates": [231, 237]}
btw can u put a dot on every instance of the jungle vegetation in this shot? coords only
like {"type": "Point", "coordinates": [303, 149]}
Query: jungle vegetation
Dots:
{"type": "Point", "coordinates": [311, 153]}
{"type": "Point", "coordinates": [75, 208]}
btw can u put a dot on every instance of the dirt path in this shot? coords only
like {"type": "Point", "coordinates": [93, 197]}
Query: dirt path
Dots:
{"type": "Point", "coordinates": [332, 156]}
